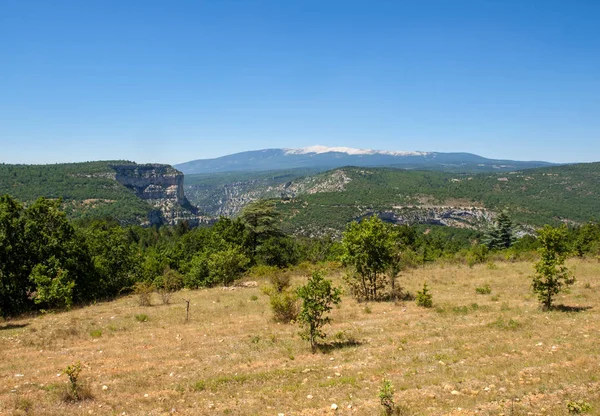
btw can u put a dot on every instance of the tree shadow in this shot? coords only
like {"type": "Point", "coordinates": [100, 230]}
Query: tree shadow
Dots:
{"type": "Point", "coordinates": [12, 326]}
{"type": "Point", "coordinates": [566, 308]}
{"type": "Point", "coordinates": [337, 345]}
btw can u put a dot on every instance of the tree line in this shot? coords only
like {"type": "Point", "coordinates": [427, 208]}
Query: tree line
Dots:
{"type": "Point", "coordinates": [48, 261]}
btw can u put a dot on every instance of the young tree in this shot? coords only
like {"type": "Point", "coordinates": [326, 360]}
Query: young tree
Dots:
{"type": "Point", "coordinates": [551, 273]}
{"type": "Point", "coordinates": [368, 248]}
{"type": "Point", "coordinates": [317, 297]}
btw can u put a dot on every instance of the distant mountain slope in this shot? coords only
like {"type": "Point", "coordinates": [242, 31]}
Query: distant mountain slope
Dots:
{"type": "Point", "coordinates": [132, 193]}
{"type": "Point", "coordinates": [533, 197]}
{"type": "Point", "coordinates": [328, 200]}
{"type": "Point", "coordinates": [325, 158]}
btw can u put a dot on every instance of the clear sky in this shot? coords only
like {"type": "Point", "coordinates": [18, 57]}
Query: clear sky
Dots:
{"type": "Point", "coordinates": [172, 81]}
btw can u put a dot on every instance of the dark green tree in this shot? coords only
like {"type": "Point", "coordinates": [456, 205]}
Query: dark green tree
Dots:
{"type": "Point", "coordinates": [260, 219]}
{"type": "Point", "coordinates": [278, 251]}
{"type": "Point", "coordinates": [317, 296]}
{"type": "Point", "coordinates": [14, 262]}
{"type": "Point", "coordinates": [501, 236]}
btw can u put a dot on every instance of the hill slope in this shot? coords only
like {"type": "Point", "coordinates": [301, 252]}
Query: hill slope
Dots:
{"type": "Point", "coordinates": [533, 197]}
{"type": "Point", "coordinates": [324, 158]}
{"type": "Point", "coordinates": [132, 193]}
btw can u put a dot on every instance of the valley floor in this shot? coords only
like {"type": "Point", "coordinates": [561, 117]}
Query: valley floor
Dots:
{"type": "Point", "coordinates": [494, 354]}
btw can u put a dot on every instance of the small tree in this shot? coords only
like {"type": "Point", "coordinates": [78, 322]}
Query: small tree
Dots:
{"type": "Point", "coordinates": [368, 249]}
{"type": "Point", "coordinates": [550, 272]}
{"type": "Point", "coordinates": [386, 397]}
{"type": "Point", "coordinates": [424, 297]}
{"type": "Point", "coordinates": [317, 297]}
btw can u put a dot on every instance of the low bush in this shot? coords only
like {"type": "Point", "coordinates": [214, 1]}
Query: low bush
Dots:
{"type": "Point", "coordinates": [144, 292]}
{"type": "Point", "coordinates": [424, 297]}
{"type": "Point", "coordinates": [483, 290]}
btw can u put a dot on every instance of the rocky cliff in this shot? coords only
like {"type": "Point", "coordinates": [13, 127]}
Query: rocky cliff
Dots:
{"type": "Point", "coordinates": [162, 187]}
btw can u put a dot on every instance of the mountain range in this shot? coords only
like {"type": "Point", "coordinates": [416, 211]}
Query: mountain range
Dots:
{"type": "Point", "coordinates": [321, 158]}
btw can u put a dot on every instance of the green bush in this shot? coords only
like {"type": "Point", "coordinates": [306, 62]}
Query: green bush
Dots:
{"type": "Point", "coordinates": [484, 290]}
{"type": "Point", "coordinates": [284, 305]}
{"type": "Point", "coordinates": [141, 317]}
{"type": "Point", "coordinates": [424, 297]}
{"type": "Point", "coordinates": [578, 407]}
{"type": "Point", "coordinates": [144, 292]}
{"type": "Point", "coordinates": [167, 283]}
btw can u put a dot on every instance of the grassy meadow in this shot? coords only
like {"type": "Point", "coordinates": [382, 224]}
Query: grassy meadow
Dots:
{"type": "Point", "coordinates": [471, 354]}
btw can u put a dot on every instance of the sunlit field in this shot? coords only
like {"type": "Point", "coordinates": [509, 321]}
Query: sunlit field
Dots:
{"type": "Point", "coordinates": [472, 353]}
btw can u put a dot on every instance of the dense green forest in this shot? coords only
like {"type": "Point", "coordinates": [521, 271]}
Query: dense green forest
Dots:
{"type": "Point", "coordinates": [48, 261]}
{"type": "Point", "coordinates": [87, 190]}
{"type": "Point", "coordinates": [535, 197]}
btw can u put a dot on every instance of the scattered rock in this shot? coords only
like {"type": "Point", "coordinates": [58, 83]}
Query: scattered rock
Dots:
{"type": "Point", "coordinates": [334, 406]}
{"type": "Point", "coordinates": [455, 392]}
{"type": "Point", "coordinates": [104, 388]}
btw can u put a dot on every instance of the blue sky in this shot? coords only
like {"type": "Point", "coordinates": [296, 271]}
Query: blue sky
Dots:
{"type": "Point", "coordinates": [172, 81]}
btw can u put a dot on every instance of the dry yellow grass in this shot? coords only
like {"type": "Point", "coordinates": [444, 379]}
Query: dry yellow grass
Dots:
{"type": "Point", "coordinates": [471, 354]}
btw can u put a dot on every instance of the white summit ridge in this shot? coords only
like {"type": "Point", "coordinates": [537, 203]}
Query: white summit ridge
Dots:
{"type": "Point", "coordinates": [351, 151]}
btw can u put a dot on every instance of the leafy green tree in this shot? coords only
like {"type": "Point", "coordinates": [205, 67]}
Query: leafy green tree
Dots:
{"type": "Point", "coordinates": [199, 272]}
{"type": "Point", "coordinates": [115, 258]}
{"type": "Point", "coordinates": [587, 239]}
{"type": "Point", "coordinates": [317, 296]}
{"type": "Point", "coordinates": [278, 251]}
{"type": "Point", "coordinates": [551, 274]}
{"type": "Point", "coordinates": [54, 285]}
{"type": "Point", "coordinates": [369, 249]}
{"type": "Point", "coordinates": [14, 263]}
{"type": "Point", "coordinates": [227, 265]}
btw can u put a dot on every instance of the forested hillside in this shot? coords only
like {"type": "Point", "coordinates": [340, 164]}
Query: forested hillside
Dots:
{"type": "Point", "coordinates": [96, 189]}
{"type": "Point", "coordinates": [534, 197]}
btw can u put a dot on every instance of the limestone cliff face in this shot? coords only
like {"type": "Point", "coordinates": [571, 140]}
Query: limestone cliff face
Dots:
{"type": "Point", "coordinates": [162, 187]}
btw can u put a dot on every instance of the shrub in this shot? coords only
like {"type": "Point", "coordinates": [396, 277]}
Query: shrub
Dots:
{"type": "Point", "coordinates": [75, 391]}
{"type": "Point", "coordinates": [142, 317]}
{"type": "Point", "coordinates": [280, 281]}
{"type": "Point", "coordinates": [262, 270]}
{"type": "Point", "coordinates": [169, 282]}
{"type": "Point", "coordinates": [386, 397]}
{"type": "Point", "coordinates": [95, 333]}
{"type": "Point", "coordinates": [477, 254]}
{"type": "Point", "coordinates": [424, 297]}
{"type": "Point", "coordinates": [578, 407]}
{"type": "Point", "coordinates": [317, 297]}
{"type": "Point", "coordinates": [484, 290]}
{"type": "Point", "coordinates": [283, 304]}
{"type": "Point", "coordinates": [144, 292]}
